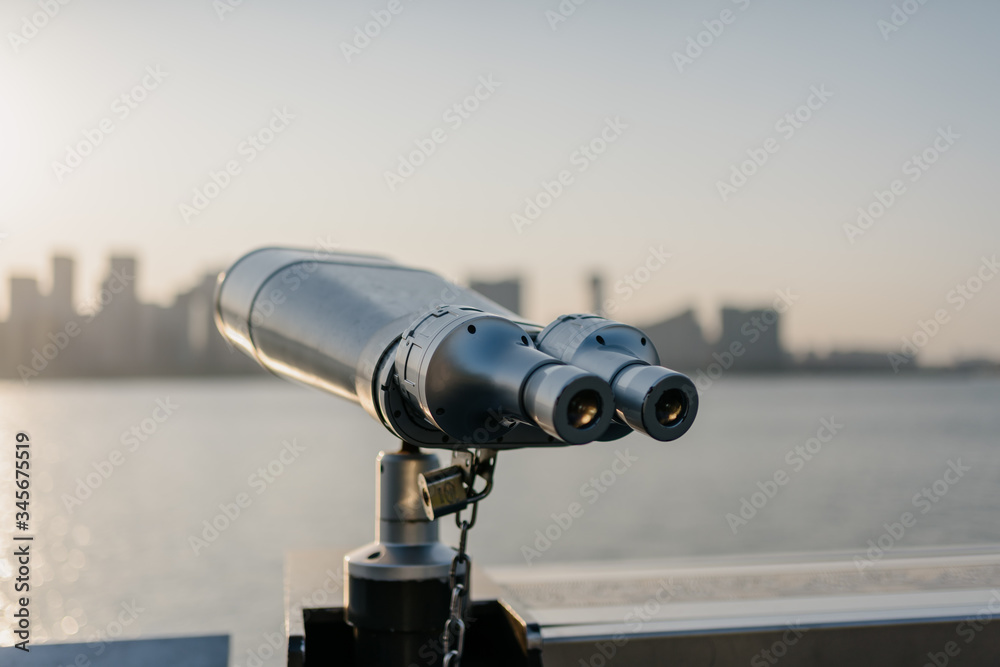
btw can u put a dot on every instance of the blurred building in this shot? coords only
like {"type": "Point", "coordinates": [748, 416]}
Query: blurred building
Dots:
{"type": "Point", "coordinates": [507, 293]}
{"type": "Point", "coordinates": [853, 361]}
{"type": "Point", "coordinates": [597, 294]}
{"type": "Point", "coordinates": [28, 316]}
{"type": "Point", "coordinates": [114, 329]}
{"type": "Point", "coordinates": [753, 337]}
{"type": "Point", "coordinates": [61, 298]}
{"type": "Point", "coordinates": [680, 342]}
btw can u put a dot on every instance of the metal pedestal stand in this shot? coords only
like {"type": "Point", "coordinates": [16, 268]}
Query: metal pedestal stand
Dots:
{"type": "Point", "coordinates": [398, 595]}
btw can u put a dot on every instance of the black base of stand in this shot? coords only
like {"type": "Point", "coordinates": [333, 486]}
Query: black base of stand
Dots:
{"type": "Point", "coordinates": [379, 609]}
{"type": "Point", "coordinates": [491, 641]}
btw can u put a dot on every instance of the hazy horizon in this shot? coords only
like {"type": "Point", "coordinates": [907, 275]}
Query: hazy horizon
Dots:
{"type": "Point", "coordinates": [878, 95]}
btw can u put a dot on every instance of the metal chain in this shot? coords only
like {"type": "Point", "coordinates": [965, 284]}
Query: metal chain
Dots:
{"type": "Point", "coordinates": [454, 627]}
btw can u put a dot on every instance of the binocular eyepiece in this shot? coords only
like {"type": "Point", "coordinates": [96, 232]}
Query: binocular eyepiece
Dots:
{"type": "Point", "coordinates": [441, 365]}
{"type": "Point", "coordinates": [648, 398]}
{"type": "Point", "coordinates": [462, 369]}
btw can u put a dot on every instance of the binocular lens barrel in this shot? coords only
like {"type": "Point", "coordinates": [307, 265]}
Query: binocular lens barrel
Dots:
{"type": "Point", "coordinates": [569, 404]}
{"type": "Point", "coordinates": [463, 369]}
{"type": "Point", "coordinates": [655, 401]}
{"type": "Point", "coordinates": [648, 398]}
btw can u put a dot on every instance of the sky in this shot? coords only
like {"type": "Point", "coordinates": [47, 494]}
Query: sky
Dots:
{"type": "Point", "coordinates": [119, 119]}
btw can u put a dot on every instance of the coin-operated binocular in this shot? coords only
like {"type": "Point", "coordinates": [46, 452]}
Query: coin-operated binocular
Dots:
{"type": "Point", "coordinates": [440, 366]}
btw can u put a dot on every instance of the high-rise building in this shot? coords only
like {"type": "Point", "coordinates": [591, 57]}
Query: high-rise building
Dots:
{"type": "Point", "coordinates": [26, 319]}
{"type": "Point", "coordinates": [25, 299]}
{"type": "Point", "coordinates": [680, 341]}
{"type": "Point", "coordinates": [507, 293]}
{"type": "Point", "coordinates": [116, 327]}
{"type": "Point", "coordinates": [61, 297]}
{"type": "Point", "coordinates": [123, 272]}
{"type": "Point", "coordinates": [756, 337]}
{"type": "Point", "coordinates": [597, 294]}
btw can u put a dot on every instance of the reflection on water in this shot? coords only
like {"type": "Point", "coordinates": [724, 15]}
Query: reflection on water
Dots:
{"type": "Point", "coordinates": [154, 524]}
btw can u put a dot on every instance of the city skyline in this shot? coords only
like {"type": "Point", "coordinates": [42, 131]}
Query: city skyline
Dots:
{"type": "Point", "coordinates": [116, 333]}
{"type": "Point", "coordinates": [636, 304]}
{"type": "Point", "coordinates": [113, 334]}
{"type": "Point", "coordinates": [777, 158]}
